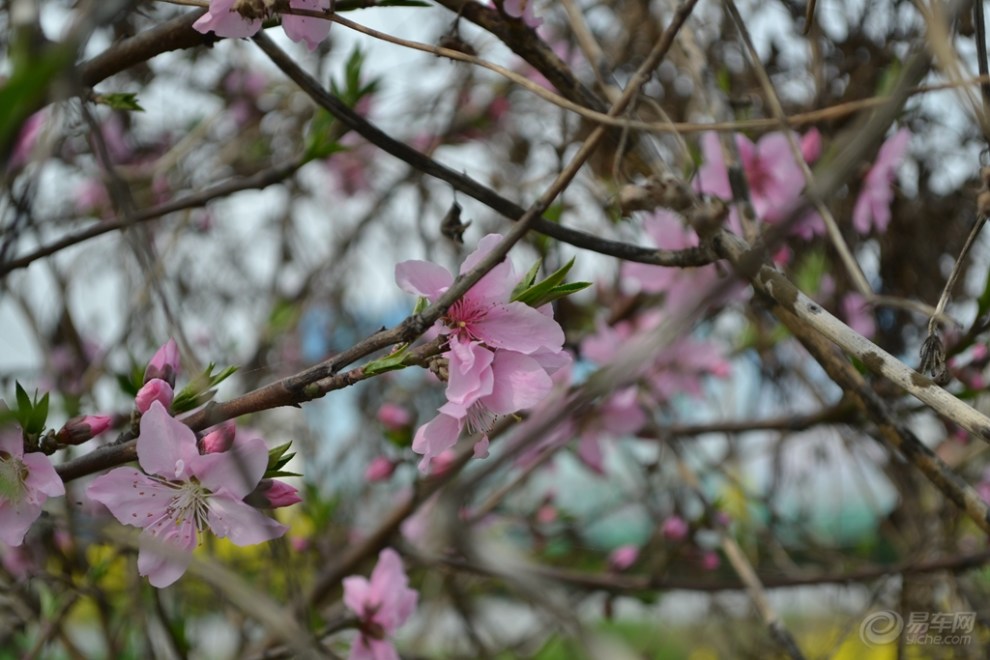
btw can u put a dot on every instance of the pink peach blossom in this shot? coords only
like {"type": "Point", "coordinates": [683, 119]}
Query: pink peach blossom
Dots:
{"type": "Point", "coordinates": [873, 204]}
{"type": "Point", "coordinates": [182, 493]}
{"type": "Point", "coordinates": [623, 557]}
{"type": "Point", "coordinates": [774, 178]}
{"type": "Point", "coordinates": [675, 528]}
{"type": "Point", "coordinates": [382, 604]}
{"type": "Point", "coordinates": [26, 482]}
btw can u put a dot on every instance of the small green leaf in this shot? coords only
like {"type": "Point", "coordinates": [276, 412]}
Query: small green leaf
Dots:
{"type": "Point", "coordinates": [119, 101]}
{"type": "Point", "coordinates": [533, 293]}
{"type": "Point", "coordinates": [24, 407]}
{"type": "Point", "coordinates": [38, 416]}
{"type": "Point", "coordinates": [559, 292]}
{"type": "Point", "coordinates": [391, 362]}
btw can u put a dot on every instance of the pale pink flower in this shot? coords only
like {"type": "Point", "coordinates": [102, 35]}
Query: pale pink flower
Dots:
{"type": "Point", "coordinates": [623, 557]}
{"type": "Point", "coordinates": [182, 493]}
{"type": "Point", "coordinates": [675, 528]}
{"type": "Point", "coordinates": [154, 390]}
{"type": "Point", "coordinates": [873, 204]}
{"type": "Point", "coordinates": [485, 313]}
{"type": "Point", "coordinates": [309, 30]}
{"type": "Point", "coordinates": [382, 604]}
{"type": "Point", "coordinates": [619, 415]}
{"type": "Point", "coordinates": [500, 353]}
{"type": "Point", "coordinates": [394, 417]}
{"type": "Point", "coordinates": [164, 364]}
{"type": "Point", "coordinates": [774, 178]}
{"type": "Point", "coordinates": [26, 482]}
{"type": "Point", "coordinates": [512, 382]}
{"type": "Point", "coordinates": [82, 428]}
{"type": "Point", "coordinates": [680, 286]}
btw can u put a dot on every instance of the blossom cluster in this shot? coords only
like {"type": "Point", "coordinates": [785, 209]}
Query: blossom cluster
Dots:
{"type": "Point", "coordinates": [500, 353]}
{"type": "Point", "coordinates": [243, 18]}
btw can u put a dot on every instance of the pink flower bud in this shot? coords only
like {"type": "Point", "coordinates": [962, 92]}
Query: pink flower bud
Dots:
{"type": "Point", "coordinates": [220, 438]}
{"type": "Point", "coordinates": [675, 528]}
{"type": "Point", "coordinates": [164, 364]}
{"type": "Point", "coordinates": [442, 462]}
{"type": "Point", "coordinates": [380, 469]}
{"type": "Point", "coordinates": [278, 493]}
{"type": "Point", "coordinates": [623, 557]}
{"type": "Point", "coordinates": [394, 417]}
{"type": "Point", "coordinates": [546, 514]}
{"type": "Point", "coordinates": [709, 560]}
{"type": "Point", "coordinates": [155, 389]}
{"type": "Point", "coordinates": [80, 429]}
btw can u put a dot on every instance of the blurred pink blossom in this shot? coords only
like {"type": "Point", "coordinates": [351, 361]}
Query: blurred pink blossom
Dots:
{"type": "Point", "coordinates": [623, 557]}
{"type": "Point", "coordinates": [380, 469]}
{"type": "Point", "coordinates": [522, 9]}
{"type": "Point", "coordinates": [26, 482]}
{"type": "Point", "coordinates": [382, 604]}
{"type": "Point", "coordinates": [774, 178]}
{"type": "Point", "coordinates": [394, 417]}
{"type": "Point", "coordinates": [873, 204]}
{"type": "Point", "coordinates": [675, 528]}
{"type": "Point", "coordinates": [27, 138]}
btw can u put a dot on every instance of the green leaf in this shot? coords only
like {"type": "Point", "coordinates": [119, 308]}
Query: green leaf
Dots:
{"type": "Point", "coordinates": [24, 407]}
{"type": "Point", "coordinates": [200, 389]}
{"type": "Point", "coordinates": [322, 138]}
{"type": "Point", "coordinates": [280, 473]}
{"type": "Point", "coordinates": [38, 416]}
{"type": "Point", "coordinates": [391, 362]}
{"type": "Point", "coordinates": [559, 292]}
{"type": "Point", "coordinates": [421, 305]}
{"type": "Point", "coordinates": [119, 101]}
{"type": "Point", "coordinates": [535, 292]}
{"type": "Point", "coordinates": [529, 279]}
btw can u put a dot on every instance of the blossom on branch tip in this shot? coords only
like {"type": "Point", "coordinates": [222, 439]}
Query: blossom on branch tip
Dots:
{"type": "Point", "coordinates": [181, 493]}
{"type": "Point", "coordinates": [26, 482]}
{"type": "Point", "coordinates": [82, 428]}
{"type": "Point", "coordinates": [382, 604]}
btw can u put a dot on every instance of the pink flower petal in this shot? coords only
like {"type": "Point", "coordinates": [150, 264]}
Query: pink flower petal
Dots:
{"type": "Point", "coordinates": [15, 520]}
{"type": "Point", "coordinates": [42, 477]}
{"type": "Point", "coordinates": [223, 21]}
{"type": "Point", "coordinates": [165, 445]}
{"type": "Point", "coordinates": [238, 470]}
{"type": "Point", "coordinates": [434, 437]}
{"type": "Point", "coordinates": [231, 518]}
{"type": "Point", "coordinates": [520, 382]}
{"type": "Point", "coordinates": [470, 373]}
{"type": "Point", "coordinates": [164, 554]}
{"type": "Point", "coordinates": [423, 278]}
{"type": "Point", "coordinates": [303, 28]}
{"type": "Point", "coordinates": [518, 327]}
{"type": "Point", "coordinates": [131, 496]}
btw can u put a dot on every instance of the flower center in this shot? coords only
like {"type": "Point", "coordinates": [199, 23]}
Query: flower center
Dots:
{"type": "Point", "coordinates": [479, 418]}
{"type": "Point", "coordinates": [189, 502]}
{"type": "Point", "coordinates": [13, 472]}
